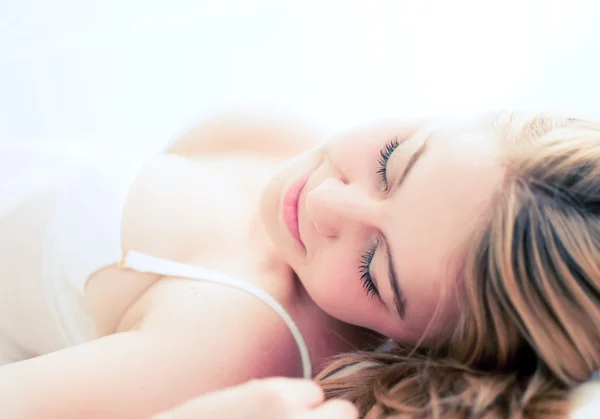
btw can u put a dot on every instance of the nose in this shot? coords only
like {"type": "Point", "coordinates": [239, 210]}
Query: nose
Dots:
{"type": "Point", "coordinates": [333, 206]}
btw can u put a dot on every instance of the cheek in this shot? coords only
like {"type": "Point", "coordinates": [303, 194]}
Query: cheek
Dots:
{"type": "Point", "coordinates": [332, 279]}
{"type": "Point", "coordinates": [333, 283]}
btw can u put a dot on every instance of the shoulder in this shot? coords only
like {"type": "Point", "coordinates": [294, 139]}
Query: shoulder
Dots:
{"type": "Point", "coordinates": [268, 134]}
{"type": "Point", "coordinates": [221, 324]}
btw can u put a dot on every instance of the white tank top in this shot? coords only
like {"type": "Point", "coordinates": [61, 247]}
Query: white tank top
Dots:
{"type": "Point", "coordinates": [77, 206]}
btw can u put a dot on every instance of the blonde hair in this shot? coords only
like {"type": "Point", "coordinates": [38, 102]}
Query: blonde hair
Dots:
{"type": "Point", "coordinates": [529, 327]}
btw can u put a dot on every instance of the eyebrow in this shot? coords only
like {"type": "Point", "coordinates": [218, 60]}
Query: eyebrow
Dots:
{"type": "Point", "coordinates": [399, 299]}
{"type": "Point", "coordinates": [411, 162]}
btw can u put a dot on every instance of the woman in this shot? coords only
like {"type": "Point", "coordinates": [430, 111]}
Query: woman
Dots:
{"type": "Point", "coordinates": [527, 331]}
{"type": "Point", "coordinates": [373, 230]}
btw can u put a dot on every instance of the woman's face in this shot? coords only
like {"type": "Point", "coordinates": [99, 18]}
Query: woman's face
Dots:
{"type": "Point", "coordinates": [374, 222]}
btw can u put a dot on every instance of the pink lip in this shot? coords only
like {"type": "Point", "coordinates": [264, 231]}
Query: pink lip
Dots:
{"type": "Point", "coordinates": [290, 206]}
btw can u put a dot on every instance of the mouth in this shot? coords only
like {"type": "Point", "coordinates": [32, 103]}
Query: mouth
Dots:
{"type": "Point", "coordinates": [290, 206]}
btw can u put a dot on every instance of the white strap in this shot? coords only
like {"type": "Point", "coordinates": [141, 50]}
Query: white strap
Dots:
{"type": "Point", "coordinates": [142, 262]}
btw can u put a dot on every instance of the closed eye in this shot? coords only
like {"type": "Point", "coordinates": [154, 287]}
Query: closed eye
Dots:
{"type": "Point", "coordinates": [365, 271]}
{"type": "Point", "coordinates": [384, 155]}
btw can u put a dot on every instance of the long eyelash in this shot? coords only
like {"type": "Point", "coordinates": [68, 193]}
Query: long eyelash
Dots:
{"type": "Point", "coordinates": [365, 276]}
{"type": "Point", "coordinates": [384, 155]}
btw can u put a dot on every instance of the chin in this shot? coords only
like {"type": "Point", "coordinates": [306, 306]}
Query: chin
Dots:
{"type": "Point", "coordinates": [317, 296]}
{"type": "Point", "coordinates": [268, 205]}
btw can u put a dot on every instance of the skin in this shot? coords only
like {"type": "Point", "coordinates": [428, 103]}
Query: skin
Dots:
{"type": "Point", "coordinates": [344, 208]}
{"type": "Point", "coordinates": [204, 204]}
{"type": "Point", "coordinates": [274, 398]}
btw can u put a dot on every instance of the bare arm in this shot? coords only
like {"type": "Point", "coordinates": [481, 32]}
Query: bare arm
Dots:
{"type": "Point", "coordinates": [195, 338]}
{"type": "Point", "coordinates": [245, 132]}
{"type": "Point", "coordinates": [274, 398]}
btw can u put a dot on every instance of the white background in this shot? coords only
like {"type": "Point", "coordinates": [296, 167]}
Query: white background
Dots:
{"type": "Point", "coordinates": [131, 72]}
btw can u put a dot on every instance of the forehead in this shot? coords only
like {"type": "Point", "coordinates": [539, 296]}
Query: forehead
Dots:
{"type": "Point", "coordinates": [470, 145]}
